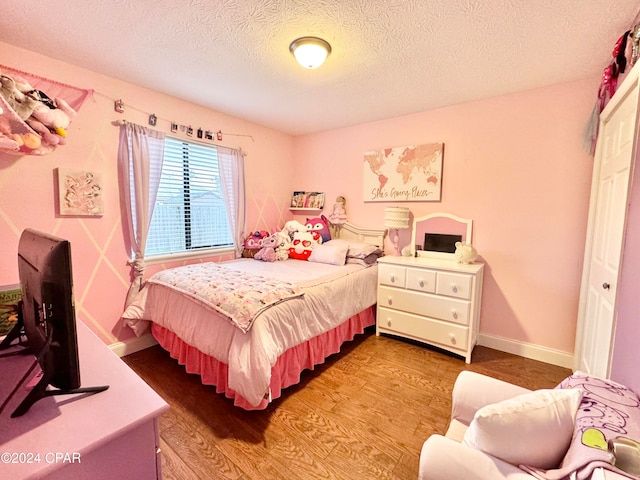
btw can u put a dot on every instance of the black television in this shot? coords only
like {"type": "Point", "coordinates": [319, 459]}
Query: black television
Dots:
{"type": "Point", "coordinates": [47, 317]}
{"type": "Point", "coordinates": [441, 242]}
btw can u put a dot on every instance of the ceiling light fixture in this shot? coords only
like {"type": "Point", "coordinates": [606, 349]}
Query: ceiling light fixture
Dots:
{"type": "Point", "coordinates": [310, 52]}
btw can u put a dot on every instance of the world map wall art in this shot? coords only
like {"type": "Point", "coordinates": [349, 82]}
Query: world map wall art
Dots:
{"type": "Point", "coordinates": [404, 174]}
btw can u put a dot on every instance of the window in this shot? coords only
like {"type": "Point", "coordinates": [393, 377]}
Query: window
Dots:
{"type": "Point", "coordinates": [190, 211]}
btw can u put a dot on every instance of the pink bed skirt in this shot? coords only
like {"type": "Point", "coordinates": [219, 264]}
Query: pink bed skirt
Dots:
{"type": "Point", "coordinates": [284, 373]}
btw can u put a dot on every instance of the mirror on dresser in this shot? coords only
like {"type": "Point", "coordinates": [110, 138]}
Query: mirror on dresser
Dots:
{"type": "Point", "coordinates": [435, 235]}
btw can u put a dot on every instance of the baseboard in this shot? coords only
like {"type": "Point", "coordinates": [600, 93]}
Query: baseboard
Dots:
{"type": "Point", "coordinates": [527, 350]}
{"type": "Point", "coordinates": [133, 345]}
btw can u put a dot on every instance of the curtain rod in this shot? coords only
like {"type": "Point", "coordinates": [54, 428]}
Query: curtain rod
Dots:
{"type": "Point", "coordinates": [123, 121]}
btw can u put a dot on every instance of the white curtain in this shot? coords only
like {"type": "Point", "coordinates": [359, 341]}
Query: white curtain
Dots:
{"type": "Point", "coordinates": [140, 156]}
{"type": "Point", "coordinates": [231, 165]}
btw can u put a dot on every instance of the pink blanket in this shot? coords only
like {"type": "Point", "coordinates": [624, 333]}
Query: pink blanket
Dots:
{"type": "Point", "coordinates": [240, 296]}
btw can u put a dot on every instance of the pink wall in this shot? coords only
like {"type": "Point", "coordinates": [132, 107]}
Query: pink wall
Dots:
{"type": "Point", "coordinates": [27, 186]}
{"type": "Point", "coordinates": [515, 164]}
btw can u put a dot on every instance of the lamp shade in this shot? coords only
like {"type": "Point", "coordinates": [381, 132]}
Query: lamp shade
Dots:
{"type": "Point", "coordinates": [396, 217]}
{"type": "Point", "coordinates": [310, 52]}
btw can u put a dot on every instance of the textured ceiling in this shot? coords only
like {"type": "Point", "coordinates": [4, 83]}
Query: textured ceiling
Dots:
{"type": "Point", "coordinates": [390, 57]}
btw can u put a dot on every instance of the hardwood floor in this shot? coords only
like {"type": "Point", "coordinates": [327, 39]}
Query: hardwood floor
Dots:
{"type": "Point", "coordinates": [363, 414]}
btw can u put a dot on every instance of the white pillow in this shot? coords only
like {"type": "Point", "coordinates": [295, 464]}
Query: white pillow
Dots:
{"type": "Point", "coordinates": [329, 253]}
{"type": "Point", "coordinates": [532, 429]}
{"type": "Point", "coordinates": [356, 249]}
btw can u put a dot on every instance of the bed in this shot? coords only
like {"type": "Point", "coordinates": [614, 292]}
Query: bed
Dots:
{"type": "Point", "coordinates": [251, 356]}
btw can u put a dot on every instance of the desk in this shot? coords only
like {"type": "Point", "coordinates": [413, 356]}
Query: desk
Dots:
{"type": "Point", "coordinates": [112, 434]}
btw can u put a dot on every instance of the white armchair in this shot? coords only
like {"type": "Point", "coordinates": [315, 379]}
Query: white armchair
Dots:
{"type": "Point", "coordinates": [446, 458]}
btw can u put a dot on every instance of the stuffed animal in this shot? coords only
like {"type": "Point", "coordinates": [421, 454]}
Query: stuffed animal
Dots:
{"type": "Point", "coordinates": [31, 141]}
{"type": "Point", "coordinates": [56, 115]}
{"type": "Point", "coordinates": [319, 227]}
{"type": "Point", "coordinates": [253, 243]}
{"type": "Point", "coordinates": [48, 137]}
{"type": "Point", "coordinates": [293, 226]}
{"type": "Point", "coordinates": [66, 108]}
{"type": "Point", "coordinates": [6, 142]}
{"type": "Point", "coordinates": [8, 90]}
{"type": "Point", "coordinates": [55, 119]}
{"type": "Point", "coordinates": [48, 118]}
{"type": "Point", "coordinates": [22, 104]}
{"type": "Point", "coordinates": [465, 252]}
{"type": "Point", "coordinates": [16, 138]}
{"type": "Point", "coordinates": [283, 245]}
{"type": "Point", "coordinates": [268, 251]}
{"type": "Point", "coordinates": [302, 245]}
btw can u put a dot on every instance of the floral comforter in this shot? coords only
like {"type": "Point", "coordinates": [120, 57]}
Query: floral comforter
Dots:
{"type": "Point", "coordinates": [240, 296]}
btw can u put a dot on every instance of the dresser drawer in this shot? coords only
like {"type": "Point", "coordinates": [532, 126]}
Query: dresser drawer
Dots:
{"type": "Point", "coordinates": [449, 309]}
{"type": "Point", "coordinates": [432, 331]}
{"type": "Point", "coordinates": [454, 285]}
{"type": "Point", "coordinates": [392, 275]}
{"type": "Point", "coordinates": [421, 280]}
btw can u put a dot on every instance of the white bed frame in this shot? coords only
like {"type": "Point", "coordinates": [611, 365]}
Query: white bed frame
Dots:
{"type": "Point", "coordinates": [348, 231]}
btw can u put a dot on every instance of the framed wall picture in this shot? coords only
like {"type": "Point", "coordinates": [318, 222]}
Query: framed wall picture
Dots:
{"type": "Point", "coordinates": [80, 192]}
{"type": "Point", "coordinates": [404, 174]}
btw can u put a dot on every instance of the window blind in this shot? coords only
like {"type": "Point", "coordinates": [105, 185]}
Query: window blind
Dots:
{"type": "Point", "coordinates": [190, 211]}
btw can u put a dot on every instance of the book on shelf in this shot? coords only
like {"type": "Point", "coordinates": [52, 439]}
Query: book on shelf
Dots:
{"type": "Point", "coordinates": [301, 199]}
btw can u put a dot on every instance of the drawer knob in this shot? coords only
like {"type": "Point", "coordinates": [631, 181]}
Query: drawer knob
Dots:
{"type": "Point", "coordinates": [392, 278]}
{"type": "Point", "coordinates": [454, 313]}
{"type": "Point", "coordinates": [388, 322]}
{"type": "Point", "coordinates": [389, 300]}
{"type": "Point", "coordinates": [421, 283]}
{"type": "Point", "coordinates": [454, 288]}
{"type": "Point", "coordinates": [452, 337]}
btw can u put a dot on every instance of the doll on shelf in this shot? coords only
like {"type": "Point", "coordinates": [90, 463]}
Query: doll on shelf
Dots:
{"type": "Point", "coordinates": [338, 215]}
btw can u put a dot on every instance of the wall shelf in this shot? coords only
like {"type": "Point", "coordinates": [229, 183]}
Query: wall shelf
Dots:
{"type": "Point", "coordinates": [301, 209]}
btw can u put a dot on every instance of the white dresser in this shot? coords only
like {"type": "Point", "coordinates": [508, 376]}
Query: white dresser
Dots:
{"type": "Point", "coordinates": [435, 301]}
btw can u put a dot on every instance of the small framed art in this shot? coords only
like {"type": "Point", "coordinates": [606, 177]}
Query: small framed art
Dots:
{"type": "Point", "coordinates": [80, 193]}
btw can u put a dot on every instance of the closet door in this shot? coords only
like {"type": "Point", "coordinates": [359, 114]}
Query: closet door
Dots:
{"type": "Point", "coordinates": [607, 219]}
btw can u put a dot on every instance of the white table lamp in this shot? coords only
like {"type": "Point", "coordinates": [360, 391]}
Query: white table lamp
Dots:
{"type": "Point", "coordinates": [395, 218]}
